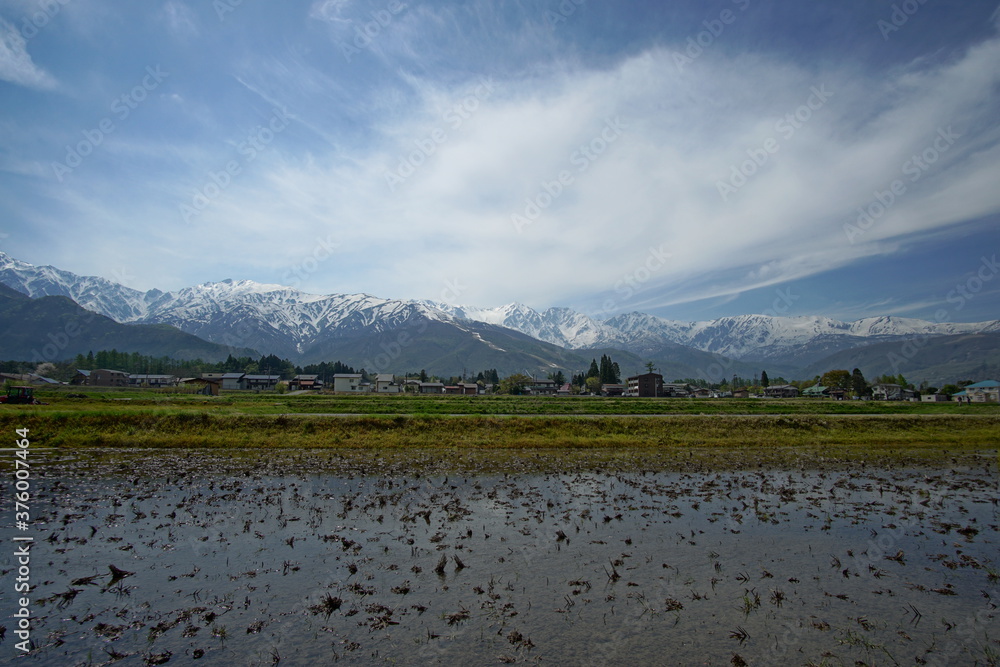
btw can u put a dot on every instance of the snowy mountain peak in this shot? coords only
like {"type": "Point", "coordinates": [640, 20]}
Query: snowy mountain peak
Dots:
{"type": "Point", "coordinates": [284, 320]}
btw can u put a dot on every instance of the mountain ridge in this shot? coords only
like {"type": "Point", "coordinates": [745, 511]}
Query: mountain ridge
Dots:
{"type": "Point", "coordinates": [54, 328]}
{"type": "Point", "coordinates": [303, 326]}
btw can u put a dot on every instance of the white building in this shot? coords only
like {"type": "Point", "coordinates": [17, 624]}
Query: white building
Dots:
{"type": "Point", "coordinates": [347, 382]}
{"type": "Point", "coordinates": [385, 383]}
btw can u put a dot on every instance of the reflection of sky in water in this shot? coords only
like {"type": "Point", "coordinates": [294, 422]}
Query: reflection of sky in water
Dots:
{"type": "Point", "coordinates": [655, 568]}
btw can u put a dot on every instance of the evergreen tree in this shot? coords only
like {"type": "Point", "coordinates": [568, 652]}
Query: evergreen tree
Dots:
{"type": "Point", "coordinates": [858, 384]}
{"type": "Point", "coordinates": [608, 372]}
{"type": "Point", "coordinates": [594, 371]}
{"type": "Point", "coordinates": [765, 382]}
{"type": "Point", "coordinates": [230, 365]}
{"type": "Point", "coordinates": [423, 375]}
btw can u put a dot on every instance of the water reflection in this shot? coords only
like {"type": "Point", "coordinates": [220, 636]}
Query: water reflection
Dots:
{"type": "Point", "coordinates": [185, 556]}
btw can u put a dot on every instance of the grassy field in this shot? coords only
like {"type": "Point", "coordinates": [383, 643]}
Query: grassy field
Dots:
{"type": "Point", "coordinates": [491, 429]}
{"type": "Point", "coordinates": [243, 403]}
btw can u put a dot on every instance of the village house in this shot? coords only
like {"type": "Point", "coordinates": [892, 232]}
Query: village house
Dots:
{"type": "Point", "coordinates": [782, 391]}
{"type": "Point", "coordinates": [347, 382]}
{"type": "Point", "coordinates": [261, 382]}
{"type": "Point", "coordinates": [305, 383]}
{"type": "Point", "coordinates": [152, 381]}
{"type": "Point", "coordinates": [29, 379]}
{"type": "Point", "coordinates": [104, 377]}
{"type": "Point", "coordinates": [935, 398]}
{"type": "Point", "coordinates": [647, 385]}
{"type": "Point", "coordinates": [542, 388]}
{"type": "Point", "coordinates": [987, 391]}
{"type": "Point", "coordinates": [385, 383]}
{"type": "Point", "coordinates": [891, 392]}
{"type": "Point", "coordinates": [202, 385]}
{"type": "Point", "coordinates": [232, 381]}
{"type": "Point", "coordinates": [431, 387]}
{"type": "Point", "coordinates": [676, 390]}
{"type": "Point", "coordinates": [613, 389]}
{"type": "Point", "coordinates": [816, 391]}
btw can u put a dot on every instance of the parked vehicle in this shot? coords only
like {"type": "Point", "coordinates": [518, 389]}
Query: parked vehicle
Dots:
{"type": "Point", "coordinates": [20, 396]}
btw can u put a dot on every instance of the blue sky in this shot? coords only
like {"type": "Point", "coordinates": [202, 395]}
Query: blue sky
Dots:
{"type": "Point", "coordinates": [690, 159]}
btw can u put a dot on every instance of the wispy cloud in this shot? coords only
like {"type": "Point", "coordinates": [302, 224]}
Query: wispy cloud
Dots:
{"type": "Point", "coordinates": [16, 65]}
{"type": "Point", "coordinates": [658, 183]}
{"type": "Point", "coordinates": [747, 166]}
{"type": "Point", "coordinates": [181, 20]}
{"type": "Point", "coordinates": [329, 10]}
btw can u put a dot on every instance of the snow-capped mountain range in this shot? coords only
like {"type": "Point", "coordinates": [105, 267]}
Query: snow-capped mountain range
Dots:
{"type": "Point", "coordinates": [749, 337]}
{"type": "Point", "coordinates": [285, 321]}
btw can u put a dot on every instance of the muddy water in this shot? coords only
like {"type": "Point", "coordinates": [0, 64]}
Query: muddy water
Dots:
{"type": "Point", "coordinates": [234, 563]}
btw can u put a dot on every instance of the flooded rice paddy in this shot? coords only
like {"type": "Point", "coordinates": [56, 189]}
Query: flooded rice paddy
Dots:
{"type": "Point", "coordinates": [156, 558]}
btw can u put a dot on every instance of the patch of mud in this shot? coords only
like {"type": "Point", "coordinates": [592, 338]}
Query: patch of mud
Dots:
{"type": "Point", "coordinates": [169, 557]}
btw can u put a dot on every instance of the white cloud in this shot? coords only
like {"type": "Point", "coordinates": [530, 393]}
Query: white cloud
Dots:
{"type": "Point", "coordinates": [180, 19]}
{"type": "Point", "coordinates": [329, 10]}
{"type": "Point", "coordinates": [654, 184]}
{"type": "Point", "coordinates": [16, 65]}
{"type": "Point", "coordinates": [479, 156]}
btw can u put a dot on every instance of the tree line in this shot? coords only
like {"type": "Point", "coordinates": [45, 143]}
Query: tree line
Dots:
{"type": "Point", "coordinates": [601, 372]}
